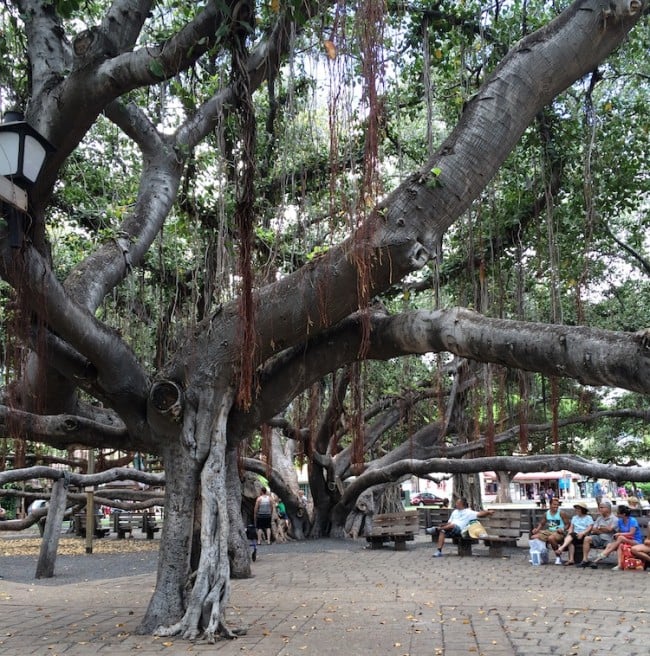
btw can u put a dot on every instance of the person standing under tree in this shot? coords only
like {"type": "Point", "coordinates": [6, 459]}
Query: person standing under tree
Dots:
{"type": "Point", "coordinates": [598, 493]}
{"type": "Point", "coordinates": [262, 515]}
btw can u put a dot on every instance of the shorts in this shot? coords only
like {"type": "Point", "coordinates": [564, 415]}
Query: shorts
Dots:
{"type": "Point", "coordinates": [263, 522]}
{"type": "Point", "coordinates": [600, 541]}
{"type": "Point", "coordinates": [452, 532]}
{"type": "Point", "coordinates": [545, 535]}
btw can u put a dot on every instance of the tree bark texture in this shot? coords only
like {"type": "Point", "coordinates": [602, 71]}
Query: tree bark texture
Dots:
{"type": "Point", "coordinates": [169, 600]}
{"type": "Point", "coordinates": [210, 590]}
{"type": "Point", "coordinates": [52, 531]}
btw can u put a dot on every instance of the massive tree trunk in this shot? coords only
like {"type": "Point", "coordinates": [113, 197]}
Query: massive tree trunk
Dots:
{"type": "Point", "coordinates": [204, 439]}
{"type": "Point", "coordinates": [169, 599]}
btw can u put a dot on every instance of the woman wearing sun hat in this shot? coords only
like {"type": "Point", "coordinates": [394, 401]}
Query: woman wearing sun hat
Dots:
{"type": "Point", "coordinates": [579, 528]}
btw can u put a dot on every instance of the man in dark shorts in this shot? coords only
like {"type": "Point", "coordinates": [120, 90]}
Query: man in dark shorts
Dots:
{"type": "Point", "coordinates": [262, 516]}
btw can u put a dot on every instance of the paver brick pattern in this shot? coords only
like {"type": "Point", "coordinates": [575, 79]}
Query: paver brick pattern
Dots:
{"type": "Point", "coordinates": [332, 597]}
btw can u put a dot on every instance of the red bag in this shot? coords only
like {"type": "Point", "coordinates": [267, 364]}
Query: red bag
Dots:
{"type": "Point", "coordinates": [629, 561]}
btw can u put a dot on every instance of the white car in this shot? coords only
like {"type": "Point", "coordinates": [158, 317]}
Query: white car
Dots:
{"type": "Point", "coordinates": [36, 505]}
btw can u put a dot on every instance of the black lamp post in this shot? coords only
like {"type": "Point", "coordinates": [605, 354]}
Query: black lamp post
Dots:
{"type": "Point", "coordinates": [22, 155]}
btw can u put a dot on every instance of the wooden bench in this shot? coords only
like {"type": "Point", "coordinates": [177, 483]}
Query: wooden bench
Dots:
{"type": "Point", "coordinates": [79, 525]}
{"type": "Point", "coordinates": [503, 528]}
{"type": "Point", "coordinates": [126, 522]}
{"type": "Point", "coordinates": [393, 527]}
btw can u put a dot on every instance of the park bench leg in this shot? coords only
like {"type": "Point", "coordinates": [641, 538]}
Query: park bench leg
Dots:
{"type": "Point", "coordinates": [495, 550]}
{"type": "Point", "coordinates": [464, 548]}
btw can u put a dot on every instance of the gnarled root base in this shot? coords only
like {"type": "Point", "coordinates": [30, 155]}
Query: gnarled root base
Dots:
{"type": "Point", "coordinates": [193, 634]}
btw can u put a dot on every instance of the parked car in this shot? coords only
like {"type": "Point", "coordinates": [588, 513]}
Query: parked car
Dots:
{"type": "Point", "coordinates": [427, 499]}
{"type": "Point", "coordinates": [36, 505]}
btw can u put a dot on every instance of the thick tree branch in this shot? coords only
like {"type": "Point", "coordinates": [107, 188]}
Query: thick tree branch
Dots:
{"type": "Point", "coordinates": [541, 463]}
{"type": "Point", "coordinates": [82, 480]}
{"type": "Point", "coordinates": [406, 230]}
{"type": "Point", "coordinates": [589, 355]}
{"type": "Point", "coordinates": [63, 431]}
{"type": "Point", "coordinates": [594, 357]}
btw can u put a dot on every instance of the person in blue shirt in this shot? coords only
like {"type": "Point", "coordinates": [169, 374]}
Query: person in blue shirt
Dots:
{"type": "Point", "coordinates": [629, 532]}
{"type": "Point", "coordinates": [598, 492]}
{"type": "Point", "coordinates": [579, 528]}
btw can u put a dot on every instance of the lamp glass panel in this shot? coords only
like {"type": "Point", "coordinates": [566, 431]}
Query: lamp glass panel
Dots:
{"type": "Point", "coordinates": [9, 146]}
{"type": "Point", "coordinates": [33, 158]}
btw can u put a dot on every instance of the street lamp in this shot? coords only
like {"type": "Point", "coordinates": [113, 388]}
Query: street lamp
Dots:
{"type": "Point", "coordinates": [22, 155]}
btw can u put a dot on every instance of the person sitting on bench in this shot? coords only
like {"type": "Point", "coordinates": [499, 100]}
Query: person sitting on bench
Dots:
{"type": "Point", "coordinates": [581, 525]}
{"type": "Point", "coordinates": [601, 533]}
{"type": "Point", "coordinates": [459, 520]}
{"type": "Point", "coordinates": [552, 527]}
{"type": "Point", "coordinates": [628, 532]}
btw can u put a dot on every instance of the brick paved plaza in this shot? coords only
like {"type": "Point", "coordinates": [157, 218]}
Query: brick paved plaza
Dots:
{"type": "Point", "coordinates": [334, 597]}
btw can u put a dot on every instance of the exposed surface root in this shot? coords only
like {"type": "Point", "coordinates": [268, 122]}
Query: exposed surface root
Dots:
{"type": "Point", "coordinates": [194, 634]}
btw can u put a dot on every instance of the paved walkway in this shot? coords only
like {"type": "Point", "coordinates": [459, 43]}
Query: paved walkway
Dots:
{"type": "Point", "coordinates": [334, 597]}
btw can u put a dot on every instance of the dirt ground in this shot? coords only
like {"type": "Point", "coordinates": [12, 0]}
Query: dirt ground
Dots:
{"type": "Point", "coordinates": [17, 546]}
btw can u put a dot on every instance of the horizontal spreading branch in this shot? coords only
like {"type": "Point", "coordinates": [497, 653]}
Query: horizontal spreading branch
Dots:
{"type": "Point", "coordinates": [538, 463]}
{"type": "Point", "coordinates": [589, 355]}
{"type": "Point", "coordinates": [64, 431]}
{"type": "Point", "coordinates": [82, 480]}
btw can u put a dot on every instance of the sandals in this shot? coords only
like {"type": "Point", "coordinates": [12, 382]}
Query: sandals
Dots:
{"type": "Point", "coordinates": [569, 562]}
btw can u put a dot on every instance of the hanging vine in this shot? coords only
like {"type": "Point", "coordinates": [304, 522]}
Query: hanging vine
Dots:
{"type": "Point", "coordinates": [590, 128]}
{"type": "Point", "coordinates": [243, 19]}
{"type": "Point", "coordinates": [267, 449]}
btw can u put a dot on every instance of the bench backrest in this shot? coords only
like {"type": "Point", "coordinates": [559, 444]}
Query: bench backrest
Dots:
{"type": "Point", "coordinates": [504, 523]}
{"type": "Point", "coordinates": [433, 516]}
{"type": "Point", "coordinates": [80, 518]}
{"type": "Point", "coordinates": [395, 523]}
{"type": "Point", "coordinates": [126, 520]}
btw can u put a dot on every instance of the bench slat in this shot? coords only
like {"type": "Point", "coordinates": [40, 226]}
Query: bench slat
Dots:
{"type": "Point", "coordinates": [393, 527]}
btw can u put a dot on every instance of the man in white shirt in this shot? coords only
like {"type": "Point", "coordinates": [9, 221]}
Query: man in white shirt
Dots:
{"type": "Point", "coordinates": [458, 521]}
